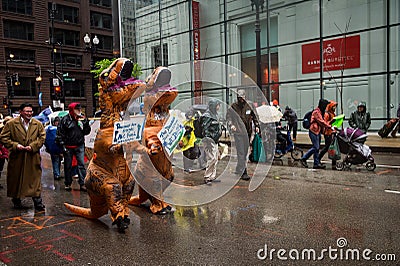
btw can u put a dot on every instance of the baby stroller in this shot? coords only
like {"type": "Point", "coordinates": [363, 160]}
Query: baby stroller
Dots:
{"type": "Point", "coordinates": [351, 144]}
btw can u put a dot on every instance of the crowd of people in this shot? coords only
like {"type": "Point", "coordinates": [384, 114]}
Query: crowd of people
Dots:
{"type": "Point", "coordinates": [22, 137]}
{"type": "Point", "coordinates": [21, 140]}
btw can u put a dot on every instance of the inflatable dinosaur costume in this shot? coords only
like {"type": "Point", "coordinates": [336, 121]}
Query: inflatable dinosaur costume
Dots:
{"type": "Point", "coordinates": [155, 171]}
{"type": "Point", "coordinates": [109, 182]}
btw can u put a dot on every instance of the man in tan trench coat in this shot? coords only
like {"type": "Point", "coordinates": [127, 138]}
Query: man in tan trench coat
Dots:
{"type": "Point", "coordinates": [24, 136]}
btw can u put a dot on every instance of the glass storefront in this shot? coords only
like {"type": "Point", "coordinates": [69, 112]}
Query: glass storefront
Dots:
{"type": "Point", "coordinates": [359, 41]}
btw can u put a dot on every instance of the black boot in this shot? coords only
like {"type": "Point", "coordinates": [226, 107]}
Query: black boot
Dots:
{"type": "Point", "coordinates": [17, 203]}
{"type": "Point", "coordinates": [245, 176]}
{"type": "Point", "coordinates": [37, 202]}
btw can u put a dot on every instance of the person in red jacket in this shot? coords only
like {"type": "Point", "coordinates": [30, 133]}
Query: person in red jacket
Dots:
{"type": "Point", "coordinates": [318, 125]}
{"type": "Point", "coordinates": [3, 154]}
{"type": "Point", "coordinates": [328, 133]}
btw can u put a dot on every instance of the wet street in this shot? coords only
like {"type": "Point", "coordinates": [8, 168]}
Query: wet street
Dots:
{"type": "Point", "coordinates": [293, 213]}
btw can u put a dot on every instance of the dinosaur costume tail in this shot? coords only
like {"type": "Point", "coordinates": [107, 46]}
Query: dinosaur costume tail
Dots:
{"type": "Point", "coordinates": [85, 212]}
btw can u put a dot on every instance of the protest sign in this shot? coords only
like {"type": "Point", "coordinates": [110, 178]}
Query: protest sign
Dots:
{"type": "Point", "coordinates": [128, 130]}
{"type": "Point", "coordinates": [171, 134]}
{"type": "Point", "coordinates": [89, 139]}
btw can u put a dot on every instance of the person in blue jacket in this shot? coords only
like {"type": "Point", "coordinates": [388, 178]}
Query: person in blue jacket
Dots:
{"type": "Point", "coordinates": [53, 148]}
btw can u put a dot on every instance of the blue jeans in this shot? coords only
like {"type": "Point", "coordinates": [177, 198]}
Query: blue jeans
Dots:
{"type": "Point", "coordinates": [316, 141]}
{"type": "Point", "coordinates": [79, 153]}
{"type": "Point", "coordinates": [55, 161]}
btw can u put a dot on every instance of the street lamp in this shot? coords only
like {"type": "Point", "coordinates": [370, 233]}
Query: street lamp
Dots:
{"type": "Point", "coordinates": [258, 4]}
{"type": "Point", "coordinates": [9, 82]}
{"type": "Point", "coordinates": [11, 56]}
{"type": "Point", "coordinates": [91, 45]}
{"type": "Point", "coordinates": [39, 81]}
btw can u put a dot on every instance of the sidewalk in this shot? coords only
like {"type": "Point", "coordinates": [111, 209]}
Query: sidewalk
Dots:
{"type": "Point", "coordinates": [374, 141]}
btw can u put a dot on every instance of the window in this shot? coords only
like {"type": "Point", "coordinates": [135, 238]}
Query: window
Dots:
{"type": "Point", "coordinates": [106, 42]}
{"type": "Point", "coordinates": [99, 20]}
{"type": "Point", "coordinates": [27, 87]}
{"type": "Point", "coordinates": [67, 37]}
{"type": "Point", "coordinates": [22, 56]}
{"type": "Point", "coordinates": [105, 3]}
{"type": "Point", "coordinates": [74, 88]}
{"type": "Point", "coordinates": [66, 14]}
{"type": "Point", "coordinates": [69, 60]}
{"type": "Point", "coordinates": [18, 30]}
{"type": "Point", "coordinates": [157, 55]}
{"type": "Point", "coordinates": [143, 3]}
{"type": "Point", "coordinates": [21, 6]}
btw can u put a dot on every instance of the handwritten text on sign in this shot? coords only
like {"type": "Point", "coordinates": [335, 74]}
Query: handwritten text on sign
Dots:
{"type": "Point", "coordinates": [171, 134]}
{"type": "Point", "coordinates": [89, 139]}
{"type": "Point", "coordinates": [127, 131]}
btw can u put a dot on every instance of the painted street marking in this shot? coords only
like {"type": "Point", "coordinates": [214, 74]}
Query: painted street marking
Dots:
{"type": "Point", "coordinates": [392, 191]}
{"type": "Point", "coordinates": [21, 227]}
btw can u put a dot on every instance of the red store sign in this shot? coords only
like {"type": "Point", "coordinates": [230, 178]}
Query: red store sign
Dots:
{"type": "Point", "coordinates": [341, 53]}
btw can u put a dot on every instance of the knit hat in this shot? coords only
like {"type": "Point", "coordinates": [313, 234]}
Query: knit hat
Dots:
{"type": "Point", "coordinates": [241, 94]}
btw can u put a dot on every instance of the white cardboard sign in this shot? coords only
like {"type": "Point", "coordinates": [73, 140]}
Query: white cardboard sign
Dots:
{"type": "Point", "coordinates": [128, 130]}
{"type": "Point", "coordinates": [171, 134]}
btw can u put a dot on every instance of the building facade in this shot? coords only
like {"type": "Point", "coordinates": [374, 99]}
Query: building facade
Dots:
{"type": "Point", "coordinates": [46, 39]}
{"type": "Point", "coordinates": [342, 50]}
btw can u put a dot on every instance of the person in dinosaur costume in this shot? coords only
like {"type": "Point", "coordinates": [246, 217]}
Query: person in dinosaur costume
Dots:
{"type": "Point", "coordinates": [108, 180]}
{"type": "Point", "coordinates": [154, 172]}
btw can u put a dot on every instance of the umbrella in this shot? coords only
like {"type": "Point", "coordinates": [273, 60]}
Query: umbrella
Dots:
{"type": "Point", "coordinates": [44, 115]}
{"type": "Point", "coordinates": [55, 114]}
{"type": "Point", "coordinates": [268, 114]}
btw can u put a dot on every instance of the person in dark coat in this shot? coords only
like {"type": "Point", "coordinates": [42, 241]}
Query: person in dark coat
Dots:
{"type": "Point", "coordinates": [71, 134]}
{"type": "Point", "coordinates": [212, 131]}
{"type": "Point", "coordinates": [291, 117]}
{"type": "Point", "coordinates": [240, 117]}
{"type": "Point", "coordinates": [397, 128]}
{"type": "Point", "coordinates": [361, 118]}
{"type": "Point", "coordinates": [24, 136]}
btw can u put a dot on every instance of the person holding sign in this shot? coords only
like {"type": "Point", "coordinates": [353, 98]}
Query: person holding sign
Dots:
{"type": "Point", "coordinates": [109, 181]}
{"type": "Point", "coordinates": [212, 132]}
{"type": "Point", "coordinates": [154, 170]}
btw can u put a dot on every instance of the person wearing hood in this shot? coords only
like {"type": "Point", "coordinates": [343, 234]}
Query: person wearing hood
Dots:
{"type": "Point", "coordinates": [361, 118]}
{"type": "Point", "coordinates": [53, 148]}
{"type": "Point", "coordinates": [318, 125]}
{"type": "Point", "coordinates": [188, 145]}
{"type": "Point", "coordinates": [397, 127]}
{"type": "Point", "coordinates": [291, 117]}
{"type": "Point", "coordinates": [328, 133]}
{"type": "Point", "coordinates": [71, 134]}
{"type": "Point", "coordinates": [240, 117]}
{"type": "Point", "coordinates": [212, 131]}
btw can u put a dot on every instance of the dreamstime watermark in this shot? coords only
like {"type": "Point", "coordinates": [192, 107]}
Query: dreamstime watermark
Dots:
{"type": "Point", "coordinates": [340, 252]}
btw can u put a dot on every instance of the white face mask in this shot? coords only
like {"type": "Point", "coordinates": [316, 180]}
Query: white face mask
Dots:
{"type": "Point", "coordinates": [78, 112]}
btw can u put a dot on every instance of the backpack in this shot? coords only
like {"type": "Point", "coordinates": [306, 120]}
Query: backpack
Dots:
{"type": "Point", "coordinates": [198, 130]}
{"type": "Point", "coordinates": [307, 119]}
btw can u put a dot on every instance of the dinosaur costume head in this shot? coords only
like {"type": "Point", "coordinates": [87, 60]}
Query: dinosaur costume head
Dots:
{"type": "Point", "coordinates": [116, 90]}
{"type": "Point", "coordinates": [159, 94]}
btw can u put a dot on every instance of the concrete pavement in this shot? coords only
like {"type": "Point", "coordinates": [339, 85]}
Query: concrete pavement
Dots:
{"type": "Point", "coordinates": [374, 141]}
{"type": "Point", "coordinates": [303, 209]}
